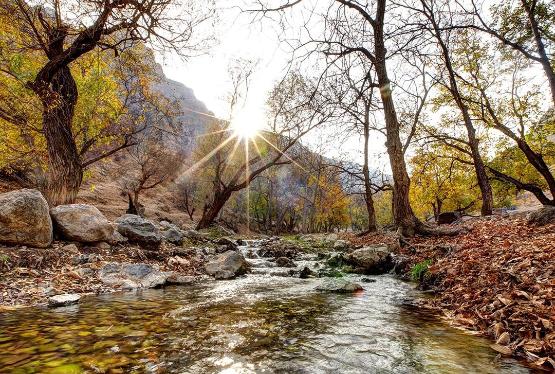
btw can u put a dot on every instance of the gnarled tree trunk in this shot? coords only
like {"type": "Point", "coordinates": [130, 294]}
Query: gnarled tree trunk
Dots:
{"type": "Point", "coordinates": [65, 172]}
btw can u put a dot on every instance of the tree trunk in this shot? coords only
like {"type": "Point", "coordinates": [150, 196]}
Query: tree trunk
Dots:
{"type": "Point", "coordinates": [65, 172]}
{"type": "Point", "coordinates": [404, 216]}
{"type": "Point", "coordinates": [367, 182]}
{"type": "Point", "coordinates": [479, 167]}
{"type": "Point", "coordinates": [212, 211]}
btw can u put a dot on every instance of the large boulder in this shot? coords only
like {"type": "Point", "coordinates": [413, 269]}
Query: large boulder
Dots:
{"type": "Point", "coordinates": [24, 219]}
{"type": "Point", "coordinates": [227, 265]}
{"type": "Point", "coordinates": [133, 275]}
{"type": "Point", "coordinates": [370, 260]}
{"type": "Point", "coordinates": [82, 223]}
{"type": "Point", "coordinates": [542, 216]}
{"type": "Point", "coordinates": [139, 231]}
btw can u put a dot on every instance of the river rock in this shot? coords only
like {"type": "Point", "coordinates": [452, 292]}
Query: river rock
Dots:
{"type": "Point", "coordinates": [133, 275]}
{"type": "Point", "coordinates": [63, 300]}
{"type": "Point", "coordinates": [285, 262]}
{"type": "Point", "coordinates": [81, 223]}
{"type": "Point", "coordinates": [339, 286]}
{"type": "Point", "coordinates": [227, 265]}
{"type": "Point", "coordinates": [24, 219]}
{"type": "Point", "coordinates": [194, 235]}
{"type": "Point", "coordinates": [370, 260]}
{"type": "Point", "coordinates": [229, 243]}
{"type": "Point", "coordinates": [139, 230]}
{"type": "Point", "coordinates": [341, 245]}
{"type": "Point", "coordinates": [117, 238]}
{"type": "Point", "coordinates": [307, 273]}
{"type": "Point", "coordinates": [542, 216]}
{"type": "Point", "coordinates": [279, 249]}
{"type": "Point", "coordinates": [173, 235]}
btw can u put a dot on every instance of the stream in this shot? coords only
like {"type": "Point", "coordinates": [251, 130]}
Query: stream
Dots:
{"type": "Point", "coordinates": [265, 322]}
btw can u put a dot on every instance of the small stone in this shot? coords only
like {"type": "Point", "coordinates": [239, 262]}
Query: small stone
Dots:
{"type": "Point", "coordinates": [306, 273]}
{"type": "Point", "coordinates": [64, 299]}
{"type": "Point", "coordinates": [103, 245]}
{"type": "Point", "coordinates": [70, 248]}
{"type": "Point", "coordinates": [339, 286]}
{"type": "Point", "coordinates": [504, 339]}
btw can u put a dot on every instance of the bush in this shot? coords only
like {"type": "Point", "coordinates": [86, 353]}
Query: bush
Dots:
{"type": "Point", "coordinates": [419, 270]}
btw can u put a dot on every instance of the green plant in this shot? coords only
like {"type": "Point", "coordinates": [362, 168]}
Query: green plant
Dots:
{"type": "Point", "coordinates": [419, 270]}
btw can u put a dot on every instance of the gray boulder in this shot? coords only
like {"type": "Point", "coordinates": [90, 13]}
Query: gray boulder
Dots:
{"type": "Point", "coordinates": [227, 265]}
{"type": "Point", "coordinates": [63, 300]}
{"type": "Point", "coordinates": [339, 286]}
{"type": "Point", "coordinates": [542, 216]}
{"type": "Point", "coordinates": [370, 260]}
{"type": "Point", "coordinates": [133, 275]}
{"type": "Point", "coordinates": [139, 231]}
{"type": "Point", "coordinates": [24, 219]}
{"type": "Point", "coordinates": [82, 223]}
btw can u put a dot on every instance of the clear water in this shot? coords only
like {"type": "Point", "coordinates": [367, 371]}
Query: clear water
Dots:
{"type": "Point", "coordinates": [256, 324]}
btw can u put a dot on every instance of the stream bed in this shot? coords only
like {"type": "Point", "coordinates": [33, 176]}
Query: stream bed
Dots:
{"type": "Point", "coordinates": [261, 323]}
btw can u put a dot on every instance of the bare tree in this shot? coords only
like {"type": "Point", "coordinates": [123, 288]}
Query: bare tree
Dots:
{"type": "Point", "coordinates": [65, 31]}
{"type": "Point", "coordinates": [356, 28]}
{"type": "Point", "coordinates": [149, 164]}
{"type": "Point", "coordinates": [293, 111]}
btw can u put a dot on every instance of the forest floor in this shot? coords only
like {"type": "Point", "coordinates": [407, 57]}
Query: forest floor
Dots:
{"type": "Point", "coordinates": [497, 278]}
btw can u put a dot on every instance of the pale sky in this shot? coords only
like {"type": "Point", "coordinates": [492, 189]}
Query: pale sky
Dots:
{"type": "Point", "coordinates": [239, 38]}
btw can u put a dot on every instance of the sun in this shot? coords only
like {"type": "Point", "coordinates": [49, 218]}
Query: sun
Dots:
{"type": "Point", "coordinates": [244, 126]}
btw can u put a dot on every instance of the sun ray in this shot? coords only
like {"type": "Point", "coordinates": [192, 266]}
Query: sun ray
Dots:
{"type": "Point", "coordinates": [248, 184]}
{"type": "Point", "coordinates": [283, 153]}
{"type": "Point", "coordinates": [209, 155]}
{"type": "Point", "coordinates": [213, 133]}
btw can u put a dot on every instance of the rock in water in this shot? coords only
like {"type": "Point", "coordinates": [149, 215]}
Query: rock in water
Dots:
{"type": "Point", "coordinates": [139, 231]}
{"type": "Point", "coordinates": [339, 286]}
{"type": "Point", "coordinates": [542, 216]}
{"type": "Point", "coordinates": [81, 223]}
{"type": "Point", "coordinates": [370, 260]}
{"type": "Point", "coordinates": [63, 300]}
{"type": "Point", "coordinates": [24, 219]}
{"type": "Point", "coordinates": [133, 275]}
{"type": "Point", "coordinates": [306, 273]}
{"type": "Point", "coordinates": [227, 265]}
{"type": "Point", "coordinates": [285, 262]}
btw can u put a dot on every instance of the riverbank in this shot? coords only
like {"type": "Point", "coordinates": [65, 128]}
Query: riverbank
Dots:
{"type": "Point", "coordinates": [29, 276]}
{"type": "Point", "coordinates": [497, 278]}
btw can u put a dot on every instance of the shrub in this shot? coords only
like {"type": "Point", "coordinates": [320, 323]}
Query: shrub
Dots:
{"type": "Point", "coordinates": [419, 270]}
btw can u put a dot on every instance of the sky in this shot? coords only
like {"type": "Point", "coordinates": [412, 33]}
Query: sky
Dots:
{"type": "Point", "coordinates": [239, 37]}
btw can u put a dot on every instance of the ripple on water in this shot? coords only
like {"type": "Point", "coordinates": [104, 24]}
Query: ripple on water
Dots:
{"type": "Point", "coordinates": [255, 324]}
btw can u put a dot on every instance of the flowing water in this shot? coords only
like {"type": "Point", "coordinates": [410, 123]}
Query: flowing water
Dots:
{"type": "Point", "coordinates": [261, 323]}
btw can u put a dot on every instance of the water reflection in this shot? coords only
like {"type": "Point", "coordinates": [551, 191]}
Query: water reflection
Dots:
{"type": "Point", "coordinates": [253, 325]}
